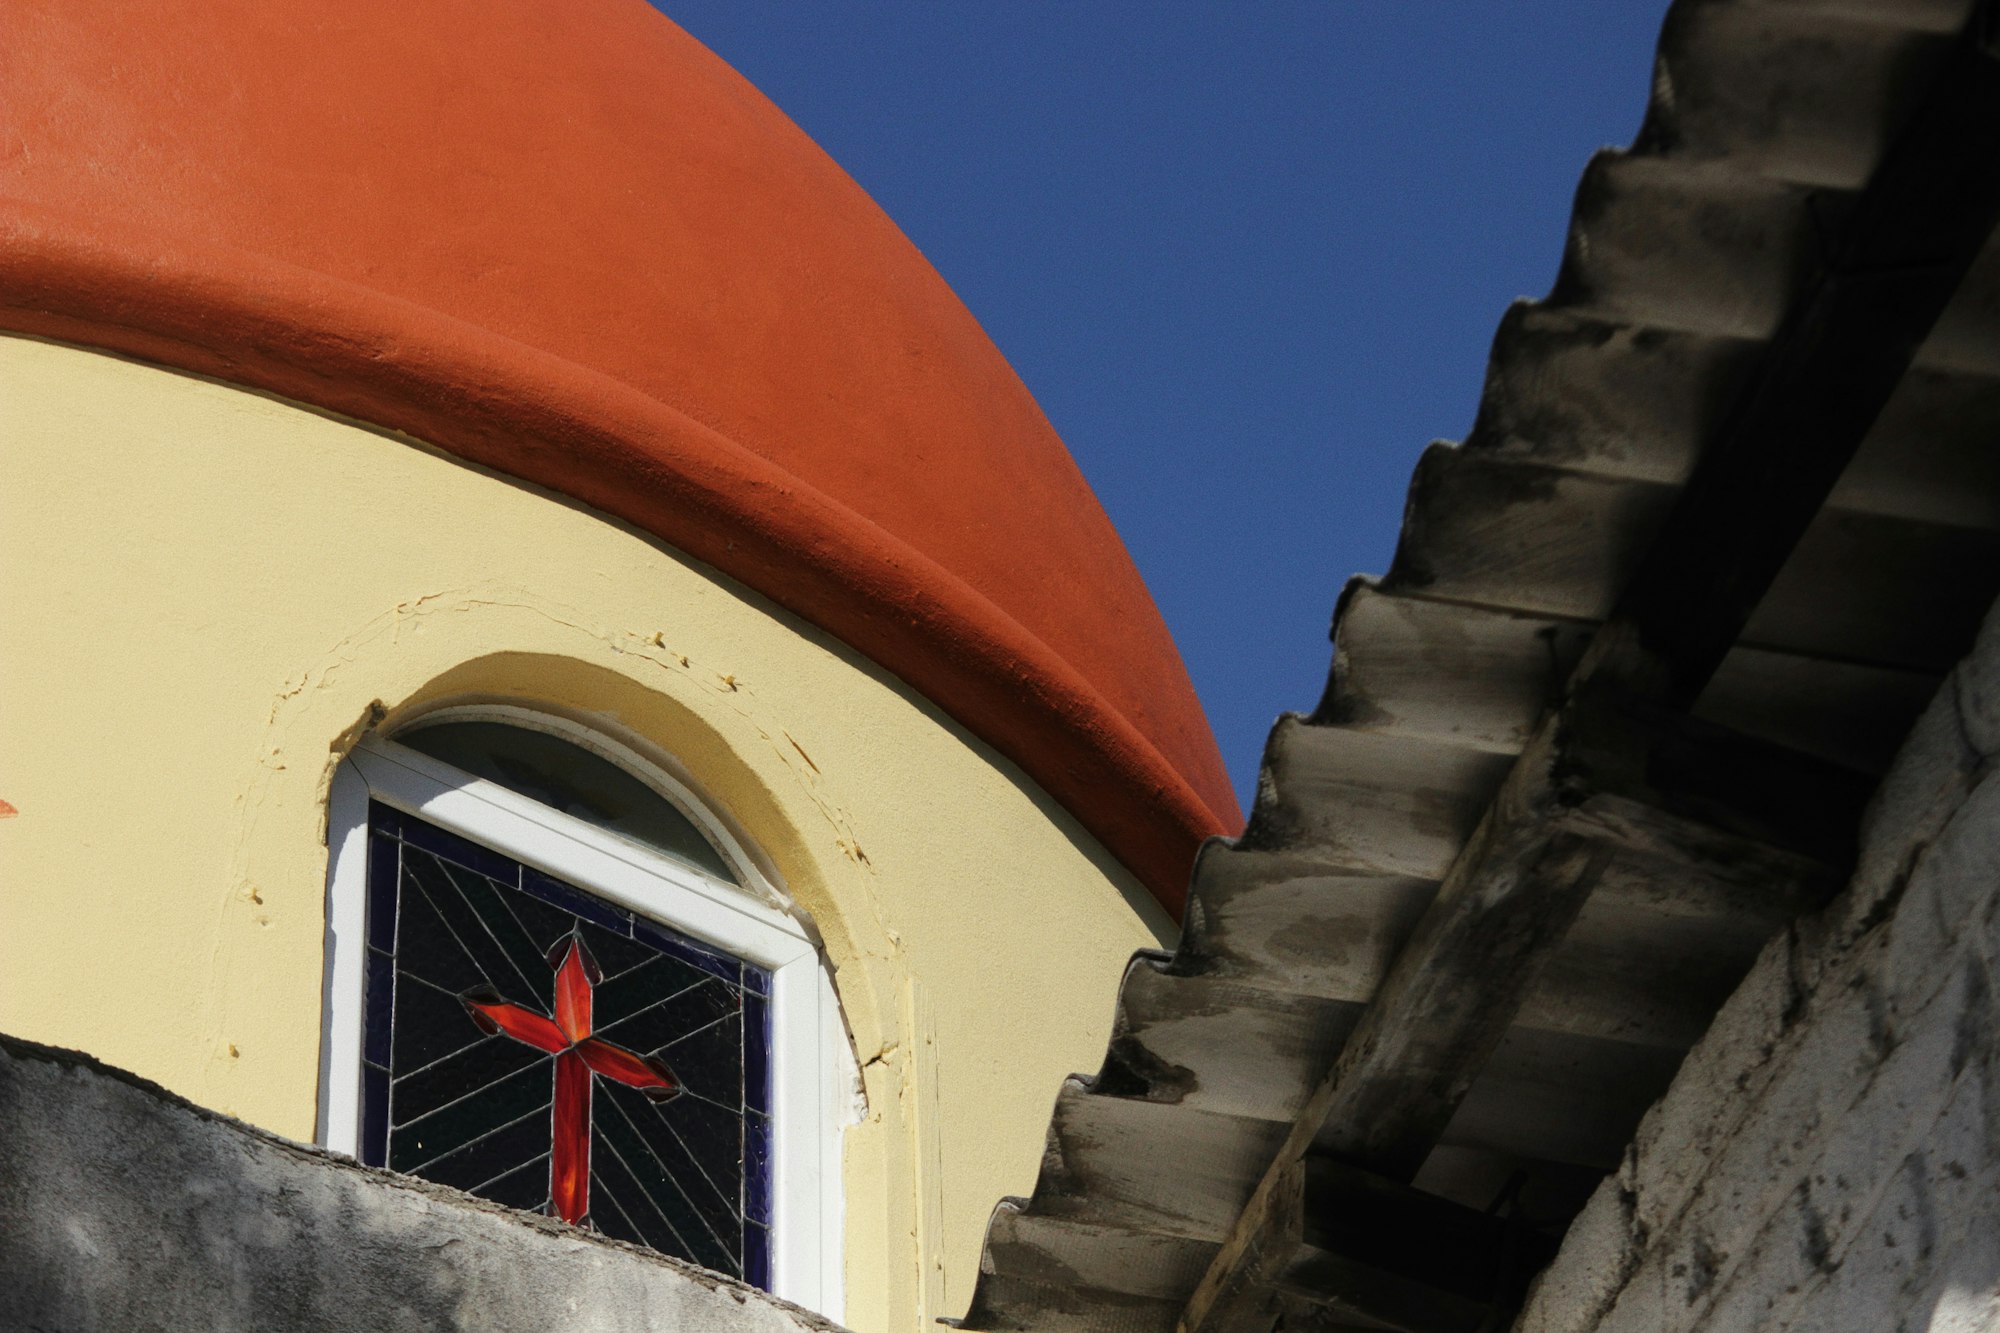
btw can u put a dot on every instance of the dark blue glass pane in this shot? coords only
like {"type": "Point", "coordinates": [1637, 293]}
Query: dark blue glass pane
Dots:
{"type": "Point", "coordinates": [383, 853]}
{"type": "Point", "coordinates": [460, 1075]}
{"type": "Point", "coordinates": [385, 819]}
{"type": "Point", "coordinates": [498, 922]}
{"type": "Point", "coordinates": [544, 924]}
{"type": "Point", "coordinates": [430, 1026]}
{"type": "Point", "coordinates": [757, 1054]}
{"type": "Point", "coordinates": [708, 1186]}
{"type": "Point", "coordinates": [576, 902]}
{"type": "Point", "coordinates": [460, 852]}
{"type": "Point", "coordinates": [378, 1008]}
{"type": "Point", "coordinates": [757, 1169]}
{"type": "Point", "coordinates": [458, 1124]}
{"type": "Point", "coordinates": [615, 953]}
{"type": "Point", "coordinates": [711, 1135]}
{"type": "Point", "coordinates": [470, 1106]}
{"type": "Point", "coordinates": [525, 1187]}
{"type": "Point", "coordinates": [656, 1028]}
{"type": "Point", "coordinates": [643, 986]}
{"type": "Point", "coordinates": [757, 1256]}
{"type": "Point", "coordinates": [495, 1156]}
{"type": "Point", "coordinates": [677, 945]}
{"type": "Point", "coordinates": [608, 1218]}
{"type": "Point", "coordinates": [374, 1115]}
{"type": "Point", "coordinates": [427, 947]}
{"type": "Point", "coordinates": [662, 1190]}
{"type": "Point", "coordinates": [710, 1059]}
{"type": "Point", "coordinates": [476, 935]}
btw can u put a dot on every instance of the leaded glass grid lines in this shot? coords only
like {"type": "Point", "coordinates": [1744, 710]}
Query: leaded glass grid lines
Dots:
{"type": "Point", "coordinates": [474, 1002]}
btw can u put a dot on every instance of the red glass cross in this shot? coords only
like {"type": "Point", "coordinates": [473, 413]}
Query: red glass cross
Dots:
{"type": "Point", "coordinates": [578, 1055]}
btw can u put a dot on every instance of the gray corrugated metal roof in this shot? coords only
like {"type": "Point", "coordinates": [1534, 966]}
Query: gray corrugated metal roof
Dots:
{"type": "Point", "coordinates": [1687, 253]}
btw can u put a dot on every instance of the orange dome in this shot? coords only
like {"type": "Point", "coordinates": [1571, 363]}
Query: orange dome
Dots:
{"type": "Point", "coordinates": [569, 243]}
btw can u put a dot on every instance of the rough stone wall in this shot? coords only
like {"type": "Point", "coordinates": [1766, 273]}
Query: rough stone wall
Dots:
{"type": "Point", "coordinates": [1829, 1155]}
{"type": "Point", "coordinates": [123, 1207]}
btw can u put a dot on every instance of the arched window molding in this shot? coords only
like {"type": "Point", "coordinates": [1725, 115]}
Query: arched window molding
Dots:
{"type": "Point", "coordinates": [750, 920]}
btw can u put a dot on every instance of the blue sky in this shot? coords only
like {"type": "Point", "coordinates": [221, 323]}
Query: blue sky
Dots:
{"type": "Point", "coordinates": [1248, 256]}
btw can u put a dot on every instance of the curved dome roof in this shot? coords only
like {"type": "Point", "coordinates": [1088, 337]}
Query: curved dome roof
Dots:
{"type": "Point", "coordinates": [579, 248]}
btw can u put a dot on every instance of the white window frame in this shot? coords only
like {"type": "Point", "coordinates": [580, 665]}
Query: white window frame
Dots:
{"type": "Point", "coordinates": [808, 1042]}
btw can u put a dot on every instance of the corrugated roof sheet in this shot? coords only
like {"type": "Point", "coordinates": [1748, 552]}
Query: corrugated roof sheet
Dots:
{"type": "Point", "coordinates": [1687, 254]}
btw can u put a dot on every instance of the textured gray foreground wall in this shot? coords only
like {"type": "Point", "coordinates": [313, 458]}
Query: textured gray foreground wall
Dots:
{"type": "Point", "coordinates": [1829, 1156]}
{"type": "Point", "coordinates": [123, 1207]}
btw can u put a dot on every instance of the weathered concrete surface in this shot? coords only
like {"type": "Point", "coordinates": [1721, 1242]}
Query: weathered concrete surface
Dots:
{"type": "Point", "coordinates": [123, 1207]}
{"type": "Point", "coordinates": [1829, 1155]}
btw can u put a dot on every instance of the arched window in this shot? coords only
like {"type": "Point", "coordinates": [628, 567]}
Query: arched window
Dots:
{"type": "Point", "coordinates": [558, 980]}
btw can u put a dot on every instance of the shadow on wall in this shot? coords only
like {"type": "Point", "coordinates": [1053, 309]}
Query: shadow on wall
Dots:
{"type": "Point", "coordinates": [127, 1207]}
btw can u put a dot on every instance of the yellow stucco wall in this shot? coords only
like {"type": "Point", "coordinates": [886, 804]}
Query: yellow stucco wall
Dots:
{"type": "Point", "coordinates": [208, 592]}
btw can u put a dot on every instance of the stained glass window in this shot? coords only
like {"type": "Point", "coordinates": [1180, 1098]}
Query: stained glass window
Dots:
{"type": "Point", "coordinates": [536, 1046]}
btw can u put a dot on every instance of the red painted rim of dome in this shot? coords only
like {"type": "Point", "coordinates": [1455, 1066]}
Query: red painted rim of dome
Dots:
{"type": "Point", "coordinates": [259, 322]}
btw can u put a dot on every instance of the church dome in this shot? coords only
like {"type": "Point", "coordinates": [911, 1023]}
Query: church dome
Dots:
{"type": "Point", "coordinates": [570, 244]}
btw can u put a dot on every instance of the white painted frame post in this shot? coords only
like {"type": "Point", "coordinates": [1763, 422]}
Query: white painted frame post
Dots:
{"type": "Point", "coordinates": [807, 1037]}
